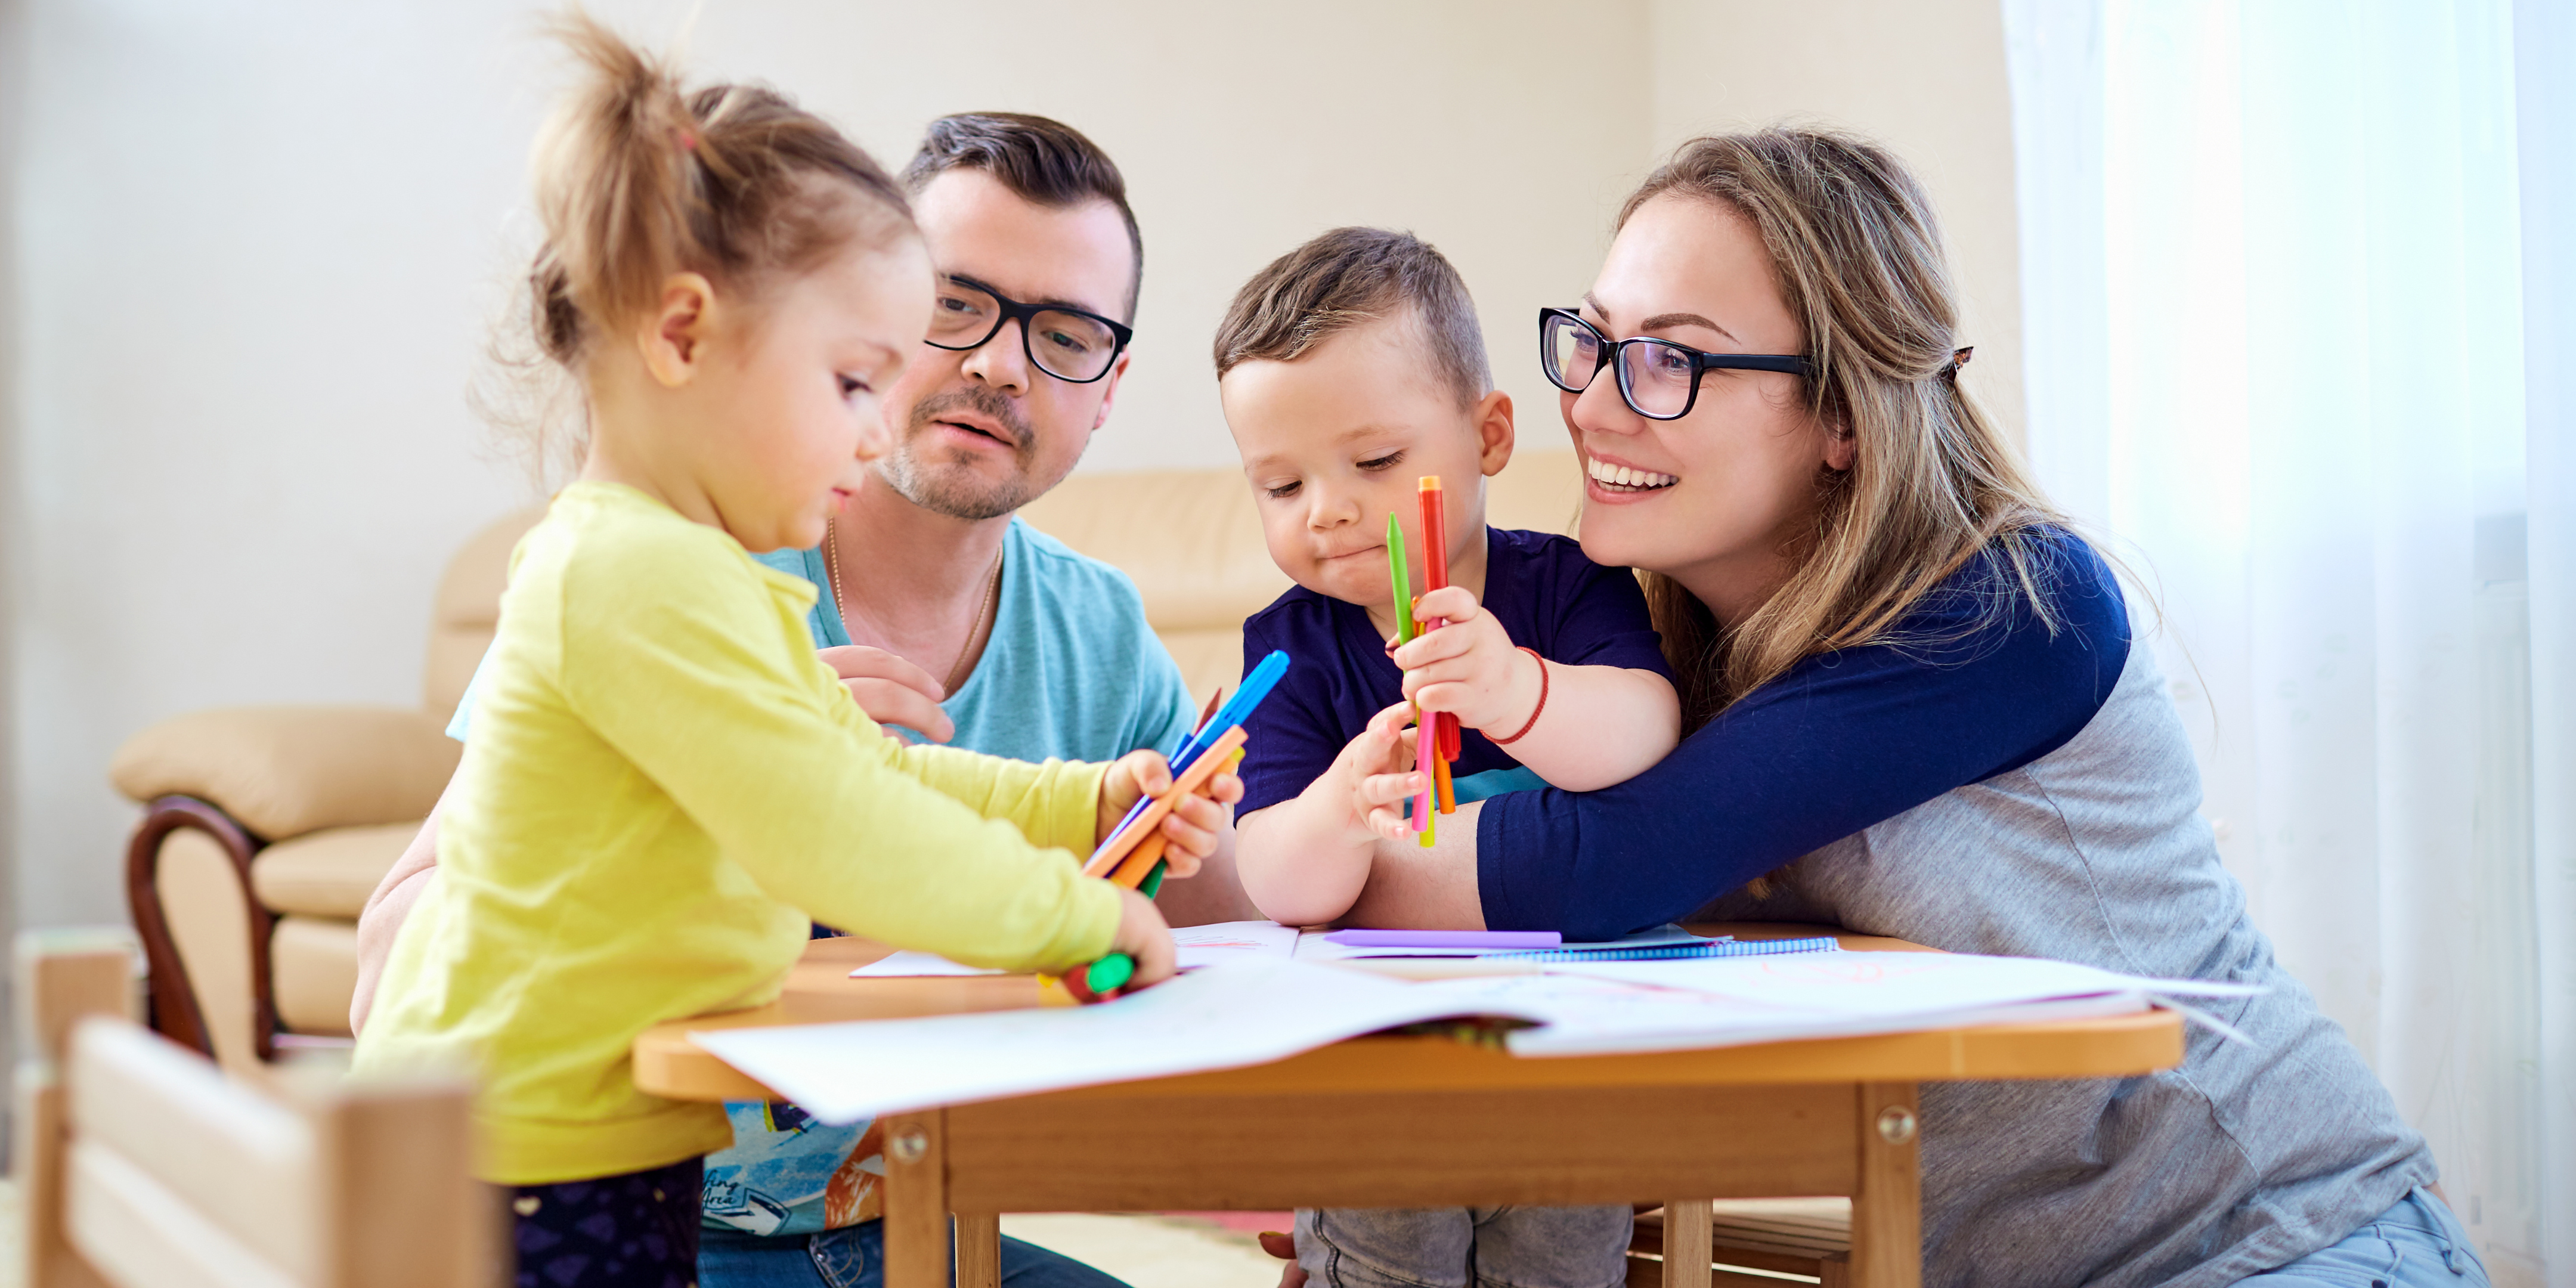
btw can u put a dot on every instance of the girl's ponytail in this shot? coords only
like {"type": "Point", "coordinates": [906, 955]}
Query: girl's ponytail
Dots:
{"type": "Point", "coordinates": [637, 179]}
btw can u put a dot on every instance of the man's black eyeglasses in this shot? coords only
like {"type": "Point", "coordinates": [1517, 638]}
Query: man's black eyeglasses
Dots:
{"type": "Point", "coordinates": [1658, 379]}
{"type": "Point", "coordinates": [1066, 343]}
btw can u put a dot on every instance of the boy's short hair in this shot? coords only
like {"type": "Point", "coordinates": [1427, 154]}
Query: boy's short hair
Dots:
{"type": "Point", "coordinates": [1041, 160]}
{"type": "Point", "coordinates": [1348, 277]}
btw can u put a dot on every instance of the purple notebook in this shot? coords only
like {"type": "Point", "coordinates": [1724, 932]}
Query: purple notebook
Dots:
{"type": "Point", "coordinates": [1494, 940]}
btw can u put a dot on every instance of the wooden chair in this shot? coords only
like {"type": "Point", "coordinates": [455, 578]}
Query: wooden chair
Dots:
{"type": "Point", "coordinates": [1805, 1237]}
{"type": "Point", "coordinates": [142, 1164]}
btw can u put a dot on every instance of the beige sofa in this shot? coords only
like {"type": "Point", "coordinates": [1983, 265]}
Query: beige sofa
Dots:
{"type": "Point", "coordinates": [265, 828]}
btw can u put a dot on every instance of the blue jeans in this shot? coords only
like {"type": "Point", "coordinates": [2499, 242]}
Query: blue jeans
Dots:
{"type": "Point", "coordinates": [2416, 1244]}
{"type": "Point", "coordinates": [854, 1257]}
{"type": "Point", "coordinates": [1487, 1247]}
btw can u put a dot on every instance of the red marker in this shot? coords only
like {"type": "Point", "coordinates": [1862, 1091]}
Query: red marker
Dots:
{"type": "Point", "coordinates": [1435, 559]}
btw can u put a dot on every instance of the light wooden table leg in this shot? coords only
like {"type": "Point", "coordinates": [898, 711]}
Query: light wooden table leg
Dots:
{"type": "Point", "coordinates": [979, 1250]}
{"type": "Point", "coordinates": [916, 1200]}
{"type": "Point", "coordinates": [1686, 1244]}
{"type": "Point", "coordinates": [1887, 1213]}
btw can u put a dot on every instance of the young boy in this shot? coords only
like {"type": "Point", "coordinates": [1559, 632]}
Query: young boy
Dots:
{"type": "Point", "coordinates": [1348, 369]}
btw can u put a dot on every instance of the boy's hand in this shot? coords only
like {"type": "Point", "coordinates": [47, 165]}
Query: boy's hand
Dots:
{"type": "Point", "coordinates": [1386, 779]}
{"type": "Point", "coordinates": [1193, 824]}
{"type": "Point", "coordinates": [1143, 935]}
{"type": "Point", "coordinates": [891, 690]}
{"type": "Point", "coordinates": [1381, 750]}
{"type": "Point", "coordinates": [1469, 666]}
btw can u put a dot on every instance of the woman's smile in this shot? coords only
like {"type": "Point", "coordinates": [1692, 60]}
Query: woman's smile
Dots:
{"type": "Point", "coordinates": [1613, 482]}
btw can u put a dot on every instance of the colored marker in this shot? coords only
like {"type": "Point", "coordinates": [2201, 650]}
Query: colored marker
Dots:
{"type": "Point", "coordinates": [1256, 686]}
{"type": "Point", "coordinates": [1488, 939]}
{"type": "Point", "coordinates": [1400, 578]}
{"type": "Point", "coordinates": [1131, 833]}
{"type": "Point", "coordinates": [1435, 563]}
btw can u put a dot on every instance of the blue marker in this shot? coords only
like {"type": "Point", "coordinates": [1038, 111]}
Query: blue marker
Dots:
{"type": "Point", "coordinates": [1256, 686]}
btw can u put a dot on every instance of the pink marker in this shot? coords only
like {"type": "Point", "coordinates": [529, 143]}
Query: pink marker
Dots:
{"type": "Point", "coordinates": [1427, 729]}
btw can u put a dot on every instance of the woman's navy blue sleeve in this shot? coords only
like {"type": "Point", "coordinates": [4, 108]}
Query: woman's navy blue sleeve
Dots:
{"type": "Point", "coordinates": [1840, 742]}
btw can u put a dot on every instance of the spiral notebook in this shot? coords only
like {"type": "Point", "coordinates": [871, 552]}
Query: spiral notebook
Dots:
{"type": "Point", "coordinates": [1671, 952]}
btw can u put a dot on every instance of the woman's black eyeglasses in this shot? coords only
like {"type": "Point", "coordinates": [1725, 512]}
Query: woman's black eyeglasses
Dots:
{"type": "Point", "coordinates": [1658, 379]}
{"type": "Point", "coordinates": [1066, 343]}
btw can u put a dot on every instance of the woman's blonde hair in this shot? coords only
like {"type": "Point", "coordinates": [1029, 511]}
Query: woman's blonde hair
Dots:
{"type": "Point", "coordinates": [1856, 255]}
{"type": "Point", "coordinates": [638, 178]}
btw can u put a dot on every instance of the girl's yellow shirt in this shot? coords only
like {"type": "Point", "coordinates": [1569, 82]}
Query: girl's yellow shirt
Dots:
{"type": "Point", "coordinates": [664, 784]}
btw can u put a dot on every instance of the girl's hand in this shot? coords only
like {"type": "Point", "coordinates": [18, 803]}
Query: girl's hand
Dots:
{"type": "Point", "coordinates": [1143, 936]}
{"type": "Point", "coordinates": [1193, 824]}
{"type": "Point", "coordinates": [1469, 667]}
{"type": "Point", "coordinates": [1385, 782]}
{"type": "Point", "coordinates": [891, 690]}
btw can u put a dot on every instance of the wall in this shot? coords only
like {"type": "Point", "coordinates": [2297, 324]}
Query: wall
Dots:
{"type": "Point", "coordinates": [1927, 79]}
{"type": "Point", "coordinates": [258, 246]}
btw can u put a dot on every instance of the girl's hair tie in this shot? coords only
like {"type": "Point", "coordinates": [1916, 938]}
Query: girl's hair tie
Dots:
{"type": "Point", "coordinates": [1958, 358]}
{"type": "Point", "coordinates": [688, 140]}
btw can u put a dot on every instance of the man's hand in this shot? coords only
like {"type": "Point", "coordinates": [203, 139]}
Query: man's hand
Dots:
{"type": "Point", "coordinates": [1192, 826]}
{"type": "Point", "coordinates": [1469, 667]}
{"type": "Point", "coordinates": [891, 690]}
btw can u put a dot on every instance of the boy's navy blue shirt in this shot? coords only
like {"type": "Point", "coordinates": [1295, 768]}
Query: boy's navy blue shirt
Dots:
{"type": "Point", "coordinates": [1540, 587]}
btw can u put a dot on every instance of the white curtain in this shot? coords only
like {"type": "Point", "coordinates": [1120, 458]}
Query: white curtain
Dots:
{"type": "Point", "coordinates": [2293, 280]}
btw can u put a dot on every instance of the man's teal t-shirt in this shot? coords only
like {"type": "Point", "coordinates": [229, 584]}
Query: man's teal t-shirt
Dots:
{"type": "Point", "coordinates": [1072, 671]}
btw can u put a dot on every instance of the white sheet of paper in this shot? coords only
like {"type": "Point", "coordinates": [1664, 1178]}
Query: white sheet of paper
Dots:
{"type": "Point", "coordinates": [1733, 1001]}
{"type": "Point", "coordinates": [906, 963]}
{"type": "Point", "coordinates": [1233, 941]}
{"type": "Point", "coordinates": [1236, 1013]}
{"type": "Point", "coordinates": [1587, 1015]}
{"type": "Point", "coordinates": [1315, 947]}
{"type": "Point", "coordinates": [1195, 946]}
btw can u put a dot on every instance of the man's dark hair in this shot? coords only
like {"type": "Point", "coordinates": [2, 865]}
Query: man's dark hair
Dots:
{"type": "Point", "coordinates": [1042, 161]}
{"type": "Point", "coordinates": [1348, 277]}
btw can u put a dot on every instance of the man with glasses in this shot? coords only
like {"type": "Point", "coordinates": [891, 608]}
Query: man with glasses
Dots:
{"type": "Point", "coordinates": [951, 620]}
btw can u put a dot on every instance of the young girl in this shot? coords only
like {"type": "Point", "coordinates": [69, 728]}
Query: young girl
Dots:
{"type": "Point", "coordinates": [664, 785]}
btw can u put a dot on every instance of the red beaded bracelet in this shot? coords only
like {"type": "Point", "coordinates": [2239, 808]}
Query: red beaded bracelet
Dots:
{"type": "Point", "coordinates": [1532, 722]}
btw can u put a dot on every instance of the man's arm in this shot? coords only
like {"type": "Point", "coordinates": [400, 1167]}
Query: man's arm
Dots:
{"type": "Point", "coordinates": [389, 905]}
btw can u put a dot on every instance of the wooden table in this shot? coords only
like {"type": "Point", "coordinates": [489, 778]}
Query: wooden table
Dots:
{"type": "Point", "coordinates": [1418, 1122]}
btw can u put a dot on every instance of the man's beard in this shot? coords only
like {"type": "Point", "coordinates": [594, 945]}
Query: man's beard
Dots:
{"type": "Point", "coordinates": [951, 486]}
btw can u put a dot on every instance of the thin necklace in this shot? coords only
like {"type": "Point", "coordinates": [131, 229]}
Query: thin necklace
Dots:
{"type": "Point", "coordinates": [992, 597]}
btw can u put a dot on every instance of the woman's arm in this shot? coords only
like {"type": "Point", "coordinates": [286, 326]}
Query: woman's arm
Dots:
{"type": "Point", "coordinates": [392, 901]}
{"type": "Point", "coordinates": [1841, 742]}
{"type": "Point", "coordinates": [1411, 888]}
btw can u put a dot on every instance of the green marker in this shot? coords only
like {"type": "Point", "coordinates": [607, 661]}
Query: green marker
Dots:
{"type": "Point", "coordinates": [1109, 974]}
{"type": "Point", "coordinates": [1400, 580]}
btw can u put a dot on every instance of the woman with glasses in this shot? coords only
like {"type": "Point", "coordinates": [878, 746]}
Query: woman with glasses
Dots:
{"type": "Point", "coordinates": [1914, 706]}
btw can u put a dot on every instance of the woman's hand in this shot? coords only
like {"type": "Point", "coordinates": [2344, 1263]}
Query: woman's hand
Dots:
{"type": "Point", "coordinates": [1469, 667]}
{"type": "Point", "coordinates": [1384, 779]}
{"type": "Point", "coordinates": [1194, 823]}
{"type": "Point", "coordinates": [1143, 936]}
{"type": "Point", "coordinates": [891, 690]}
